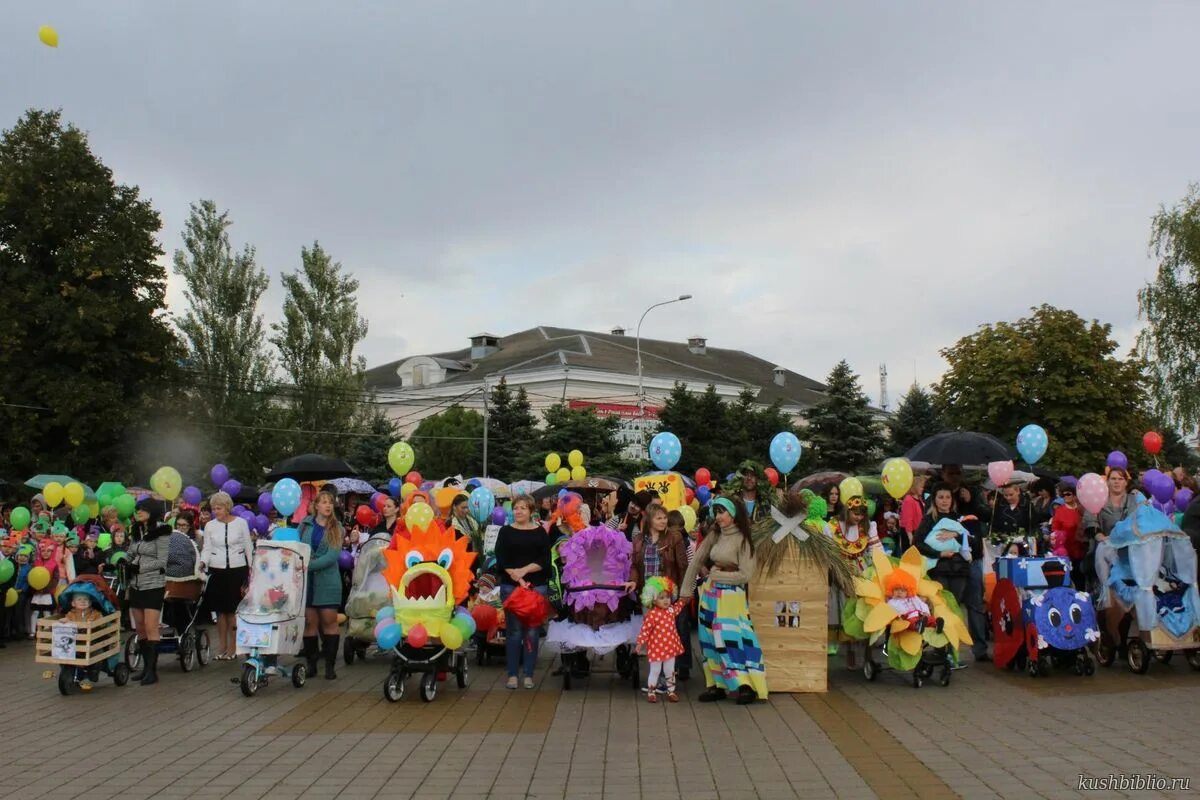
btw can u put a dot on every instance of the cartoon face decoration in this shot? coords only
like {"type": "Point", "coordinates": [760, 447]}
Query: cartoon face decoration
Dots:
{"type": "Point", "coordinates": [275, 579]}
{"type": "Point", "coordinates": [1065, 618]}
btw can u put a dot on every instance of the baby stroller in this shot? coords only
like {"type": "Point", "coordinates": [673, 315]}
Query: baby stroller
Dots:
{"type": "Point", "coordinates": [369, 592]}
{"type": "Point", "coordinates": [595, 613]}
{"type": "Point", "coordinates": [83, 650]}
{"type": "Point", "coordinates": [179, 631]}
{"type": "Point", "coordinates": [1040, 623]}
{"type": "Point", "coordinates": [1147, 575]}
{"type": "Point", "coordinates": [489, 640]}
{"type": "Point", "coordinates": [270, 618]}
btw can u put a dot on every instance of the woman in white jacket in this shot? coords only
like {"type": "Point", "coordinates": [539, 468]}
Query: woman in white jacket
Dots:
{"type": "Point", "coordinates": [228, 551]}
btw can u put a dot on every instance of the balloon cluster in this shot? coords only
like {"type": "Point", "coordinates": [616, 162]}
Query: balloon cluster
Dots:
{"type": "Point", "coordinates": [557, 473]}
{"type": "Point", "coordinates": [389, 632]}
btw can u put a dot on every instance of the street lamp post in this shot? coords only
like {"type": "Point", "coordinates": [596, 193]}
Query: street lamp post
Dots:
{"type": "Point", "coordinates": [641, 391]}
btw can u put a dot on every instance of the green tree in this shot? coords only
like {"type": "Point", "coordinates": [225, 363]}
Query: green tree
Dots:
{"type": "Point", "coordinates": [1170, 342]}
{"type": "Point", "coordinates": [568, 429]}
{"type": "Point", "coordinates": [1054, 369]}
{"type": "Point", "coordinates": [316, 339]}
{"type": "Point", "coordinates": [84, 341]}
{"type": "Point", "coordinates": [512, 433]}
{"type": "Point", "coordinates": [842, 430]}
{"type": "Point", "coordinates": [229, 367]}
{"type": "Point", "coordinates": [701, 421]}
{"type": "Point", "coordinates": [367, 452]}
{"type": "Point", "coordinates": [915, 419]}
{"type": "Point", "coordinates": [450, 443]}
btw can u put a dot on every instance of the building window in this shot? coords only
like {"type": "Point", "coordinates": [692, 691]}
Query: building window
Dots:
{"type": "Point", "coordinates": [418, 378]}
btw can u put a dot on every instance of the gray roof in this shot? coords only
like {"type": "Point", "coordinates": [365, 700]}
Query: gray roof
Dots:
{"type": "Point", "coordinates": [542, 347]}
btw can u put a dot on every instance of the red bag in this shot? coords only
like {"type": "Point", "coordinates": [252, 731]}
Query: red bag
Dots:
{"type": "Point", "coordinates": [529, 607]}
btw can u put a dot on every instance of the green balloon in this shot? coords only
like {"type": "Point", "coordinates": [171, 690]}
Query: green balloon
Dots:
{"type": "Point", "coordinates": [870, 507]}
{"type": "Point", "coordinates": [19, 518]}
{"type": "Point", "coordinates": [6, 570]}
{"type": "Point", "coordinates": [551, 479]}
{"type": "Point", "coordinates": [81, 514]}
{"type": "Point", "coordinates": [125, 505]}
{"type": "Point", "coordinates": [105, 541]}
{"type": "Point", "coordinates": [117, 557]}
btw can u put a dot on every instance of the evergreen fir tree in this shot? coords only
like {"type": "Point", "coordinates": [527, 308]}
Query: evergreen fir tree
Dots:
{"type": "Point", "coordinates": [842, 429]}
{"type": "Point", "coordinates": [914, 420]}
{"type": "Point", "coordinates": [512, 432]}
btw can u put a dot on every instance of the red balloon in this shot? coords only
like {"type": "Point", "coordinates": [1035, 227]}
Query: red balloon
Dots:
{"type": "Point", "coordinates": [379, 500]}
{"type": "Point", "coordinates": [413, 477]}
{"type": "Point", "coordinates": [365, 516]}
{"type": "Point", "coordinates": [688, 496]}
{"type": "Point", "coordinates": [1152, 442]}
{"type": "Point", "coordinates": [703, 477]}
{"type": "Point", "coordinates": [487, 618]}
{"type": "Point", "coordinates": [772, 476]}
{"type": "Point", "coordinates": [418, 636]}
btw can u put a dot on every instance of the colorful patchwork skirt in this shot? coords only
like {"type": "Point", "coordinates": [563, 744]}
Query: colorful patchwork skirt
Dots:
{"type": "Point", "coordinates": [731, 654]}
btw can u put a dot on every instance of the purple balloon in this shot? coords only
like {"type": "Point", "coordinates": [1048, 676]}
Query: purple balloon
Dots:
{"type": "Point", "coordinates": [346, 559]}
{"type": "Point", "coordinates": [238, 510]}
{"type": "Point", "coordinates": [265, 504]}
{"type": "Point", "coordinates": [231, 487]}
{"type": "Point", "coordinates": [1117, 460]}
{"type": "Point", "coordinates": [219, 474]}
{"type": "Point", "coordinates": [499, 516]}
{"type": "Point", "coordinates": [1070, 480]}
{"type": "Point", "coordinates": [143, 496]}
{"type": "Point", "coordinates": [192, 496]}
{"type": "Point", "coordinates": [374, 497]}
{"type": "Point", "coordinates": [1159, 485]}
{"type": "Point", "coordinates": [261, 524]}
{"type": "Point", "coordinates": [1183, 497]}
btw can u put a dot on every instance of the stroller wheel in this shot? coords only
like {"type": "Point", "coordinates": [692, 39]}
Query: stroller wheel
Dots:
{"type": "Point", "coordinates": [870, 669]}
{"type": "Point", "coordinates": [133, 655]}
{"type": "Point", "coordinates": [249, 682]}
{"type": "Point", "coordinates": [120, 674]}
{"type": "Point", "coordinates": [188, 657]}
{"type": "Point", "coordinates": [1163, 656]}
{"type": "Point", "coordinates": [944, 679]}
{"type": "Point", "coordinates": [635, 672]}
{"type": "Point", "coordinates": [66, 679]}
{"type": "Point", "coordinates": [461, 672]}
{"type": "Point", "coordinates": [393, 687]}
{"type": "Point", "coordinates": [1138, 657]}
{"type": "Point", "coordinates": [348, 651]}
{"type": "Point", "coordinates": [203, 648]}
{"type": "Point", "coordinates": [299, 675]}
{"type": "Point", "coordinates": [918, 677]}
{"type": "Point", "coordinates": [1106, 654]}
{"type": "Point", "coordinates": [429, 686]}
{"type": "Point", "coordinates": [566, 677]}
{"type": "Point", "coordinates": [1193, 659]}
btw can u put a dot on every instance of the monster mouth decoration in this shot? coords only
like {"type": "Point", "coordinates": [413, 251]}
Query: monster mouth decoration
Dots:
{"type": "Point", "coordinates": [422, 588]}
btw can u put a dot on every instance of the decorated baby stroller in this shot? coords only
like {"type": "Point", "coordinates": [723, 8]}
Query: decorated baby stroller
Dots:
{"type": "Point", "coordinates": [595, 613]}
{"type": "Point", "coordinates": [422, 626]}
{"type": "Point", "coordinates": [488, 611]}
{"type": "Point", "coordinates": [1147, 575]}
{"type": "Point", "coordinates": [1039, 622]}
{"type": "Point", "coordinates": [83, 650]}
{"type": "Point", "coordinates": [369, 592]}
{"type": "Point", "coordinates": [918, 630]}
{"type": "Point", "coordinates": [270, 618]}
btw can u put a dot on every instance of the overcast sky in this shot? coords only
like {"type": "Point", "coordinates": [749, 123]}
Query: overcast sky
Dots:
{"type": "Point", "coordinates": [860, 180]}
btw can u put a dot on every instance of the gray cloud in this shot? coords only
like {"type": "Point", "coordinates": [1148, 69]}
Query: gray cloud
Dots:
{"type": "Point", "coordinates": [869, 181]}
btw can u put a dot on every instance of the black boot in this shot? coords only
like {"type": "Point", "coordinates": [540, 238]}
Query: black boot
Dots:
{"type": "Point", "coordinates": [746, 695]}
{"type": "Point", "coordinates": [142, 650]}
{"type": "Point", "coordinates": [151, 661]}
{"type": "Point", "coordinates": [311, 653]}
{"type": "Point", "coordinates": [711, 695]}
{"type": "Point", "coordinates": [329, 649]}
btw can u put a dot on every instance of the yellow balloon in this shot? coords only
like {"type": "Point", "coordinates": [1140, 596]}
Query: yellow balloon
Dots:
{"type": "Point", "coordinates": [850, 487]}
{"type": "Point", "coordinates": [94, 507]}
{"type": "Point", "coordinates": [418, 517]}
{"type": "Point", "coordinates": [553, 462]}
{"type": "Point", "coordinates": [53, 492]}
{"type": "Point", "coordinates": [578, 473]}
{"type": "Point", "coordinates": [167, 482]}
{"type": "Point", "coordinates": [39, 578]}
{"type": "Point", "coordinates": [451, 637]}
{"type": "Point", "coordinates": [10, 598]}
{"type": "Point", "coordinates": [897, 477]}
{"type": "Point", "coordinates": [689, 517]}
{"type": "Point", "coordinates": [73, 494]}
{"type": "Point", "coordinates": [575, 459]}
{"type": "Point", "coordinates": [563, 474]}
{"type": "Point", "coordinates": [406, 490]}
{"type": "Point", "coordinates": [48, 36]}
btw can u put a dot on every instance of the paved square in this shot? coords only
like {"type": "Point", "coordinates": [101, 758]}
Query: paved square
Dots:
{"type": "Point", "coordinates": [986, 735]}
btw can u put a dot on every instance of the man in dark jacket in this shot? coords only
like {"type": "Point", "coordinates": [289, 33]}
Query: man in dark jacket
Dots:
{"type": "Point", "coordinates": [1191, 521]}
{"type": "Point", "coordinates": [971, 513]}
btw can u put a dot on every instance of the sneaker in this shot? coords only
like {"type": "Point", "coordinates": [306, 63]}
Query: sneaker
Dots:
{"type": "Point", "coordinates": [528, 683]}
{"type": "Point", "coordinates": [746, 695]}
{"type": "Point", "coordinates": [512, 683]}
{"type": "Point", "coordinates": [645, 690]}
{"type": "Point", "coordinates": [651, 698]}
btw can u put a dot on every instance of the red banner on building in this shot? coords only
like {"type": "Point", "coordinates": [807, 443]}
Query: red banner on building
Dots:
{"type": "Point", "coordinates": [623, 410]}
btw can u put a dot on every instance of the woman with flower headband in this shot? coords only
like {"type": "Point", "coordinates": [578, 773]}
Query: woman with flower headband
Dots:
{"type": "Point", "coordinates": [856, 536]}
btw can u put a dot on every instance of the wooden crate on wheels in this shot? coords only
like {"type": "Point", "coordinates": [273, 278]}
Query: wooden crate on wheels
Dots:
{"type": "Point", "coordinates": [81, 648]}
{"type": "Point", "coordinates": [790, 614]}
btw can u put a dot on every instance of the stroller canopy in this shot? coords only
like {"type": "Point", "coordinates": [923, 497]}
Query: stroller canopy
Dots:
{"type": "Point", "coordinates": [94, 588]}
{"type": "Point", "coordinates": [278, 580]}
{"type": "Point", "coordinates": [1154, 571]}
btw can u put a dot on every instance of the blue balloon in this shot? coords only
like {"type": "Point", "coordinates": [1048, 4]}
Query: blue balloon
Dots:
{"type": "Point", "coordinates": [387, 612]}
{"type": "Point", "coordinates": [785, 451]}
{"type": "Point", "coordinates": [286, 496]}
{"type": "Point", "coordinates": [665, 450]}
{"type": "Point", "coordinates": [285, 535]}
{"type": "Point", "coordinates": [389, 637]}
{"type": "Point", "coordinates": [703, 494]}
{"type": "Point", "coordinates": [480, 503]}
{"type": "Point", "coordinates": [1032, 442]}
{"type": "Point", "coordinates": [394, 487]}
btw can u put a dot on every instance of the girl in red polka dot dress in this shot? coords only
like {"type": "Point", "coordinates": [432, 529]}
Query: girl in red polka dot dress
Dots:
{"type": "Point", "coordinates": [659, 638]}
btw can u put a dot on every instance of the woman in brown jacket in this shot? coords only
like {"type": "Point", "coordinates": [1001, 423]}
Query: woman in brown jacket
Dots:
{"type": "Point", "coordinates": [662, 552]}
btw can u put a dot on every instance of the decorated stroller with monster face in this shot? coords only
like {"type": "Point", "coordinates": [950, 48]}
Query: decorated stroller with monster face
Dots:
{"type": "Point", "coordinates": [1147, 574]}
{"type": "Point", "coordinates": [1039, 622]}
{"type": "Point", "coordinates": [369, 592]}
{"type": "Point", "coordinates": [270, 618]}
{"type": "Point", "coordinates": [595, 613]}
{"type": "Point", "coordinates": [918, 630]}
{"type": "Point", "coordinates": [423, 626]}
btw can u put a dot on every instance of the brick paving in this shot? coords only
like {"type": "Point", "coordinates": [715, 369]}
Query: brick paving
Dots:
{"type": "Point", "coordinates": [195, 736]}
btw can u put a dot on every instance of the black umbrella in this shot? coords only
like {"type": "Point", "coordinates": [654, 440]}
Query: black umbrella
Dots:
{"type": "Point", "coordinates": [961, 447]}
{"type": "Point", "coordinates": [312, 467]}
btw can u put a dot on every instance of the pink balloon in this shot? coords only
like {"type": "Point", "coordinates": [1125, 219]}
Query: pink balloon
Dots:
{"type": "Point", "coordinates": [1092, 492]}
{"type": "Point", "coordinates": [1000, 472]}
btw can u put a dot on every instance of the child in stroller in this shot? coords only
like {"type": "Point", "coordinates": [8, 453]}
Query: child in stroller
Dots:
{"type": "Point", "coordinates": [90, 605]}
{"type": "Point", "coordinates": [369, 592]}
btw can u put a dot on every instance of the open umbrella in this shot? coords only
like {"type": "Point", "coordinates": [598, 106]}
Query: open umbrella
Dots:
{"type": "Point", "coordinates": [819, 480]}
{"type": "Point", "coordinates": [40, 481]}
{"type": "Point", "coordinates": [525, 487]}
{"type": "Point", "coordinates": [961, 447]}
{"type": "Point", "coordinates": [312, 467]}
{"type": "Point", "coordinates": [355, 485]}
{"type": "Point", "coordinates": [497, 487]}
